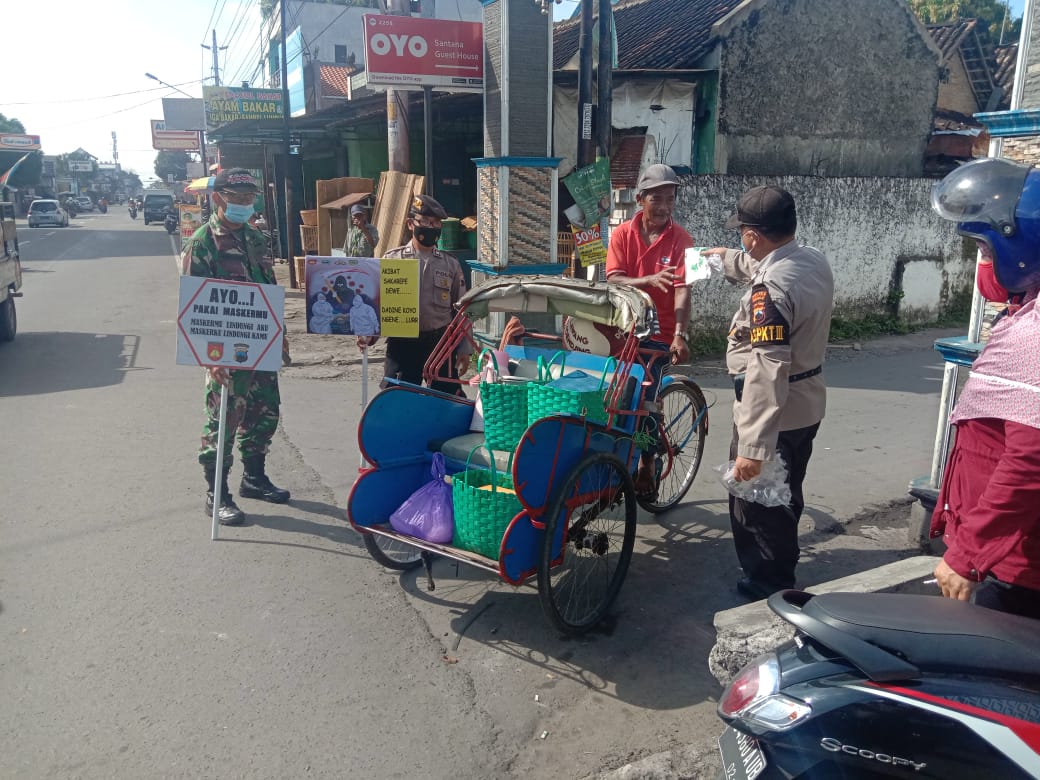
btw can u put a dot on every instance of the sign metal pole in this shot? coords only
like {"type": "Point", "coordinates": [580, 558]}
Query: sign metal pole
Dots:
{"type": "Point", "coordinates": [364, 400]}
{"type": "Point", "coordinates": [218, 473]}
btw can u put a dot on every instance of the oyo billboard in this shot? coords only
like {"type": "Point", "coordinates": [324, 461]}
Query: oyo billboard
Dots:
{"type": "Point", "coordinates": [408, 53]}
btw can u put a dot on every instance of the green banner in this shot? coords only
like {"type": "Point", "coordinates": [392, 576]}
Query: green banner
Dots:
{"type": "Point", "coordinates": [590, 188]}
{"type": "Point", "coordinates": [228, 104]}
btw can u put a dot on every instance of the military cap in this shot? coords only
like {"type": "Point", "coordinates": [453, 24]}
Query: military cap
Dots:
{"type": "Point", "coordinates": [236, 180]}
{"type": "Point", "coordinates": [426, 206]}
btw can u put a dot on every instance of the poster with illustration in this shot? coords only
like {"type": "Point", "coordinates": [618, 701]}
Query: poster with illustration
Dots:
{"type": "Point", "coordinates": [190, 218]}
{"type": "Point", "coordinates": [362, 296]}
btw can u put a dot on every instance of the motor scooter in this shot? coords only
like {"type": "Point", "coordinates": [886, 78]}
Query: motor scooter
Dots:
{"type": "Point", "coordinates": [171, 221]}
{"type": "Point", "coordinates": [132, 208]}
{"type": "Point", "coordinates": [887, 686]}
{"type": "Point", "coordinates": [102, 207]}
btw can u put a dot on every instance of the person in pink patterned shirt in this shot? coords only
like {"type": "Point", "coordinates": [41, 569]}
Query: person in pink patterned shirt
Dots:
{"type": "Point", "coordinates": [988, 511]}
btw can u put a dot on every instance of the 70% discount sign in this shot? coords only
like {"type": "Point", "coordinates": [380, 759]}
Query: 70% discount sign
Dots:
{"type": "Point", "coordinates": [233, 325]}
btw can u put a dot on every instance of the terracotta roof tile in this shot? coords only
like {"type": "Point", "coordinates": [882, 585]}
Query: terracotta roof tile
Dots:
{"type": "Point", "coordinates": [335, 79]}
{"type": "Point", "coordinates": [672, 34]}
{"type": "Point", "coordinates": [624, 165]}
{"type": "Point", "coordinates": [949, 35]}
{"type": "Point", "coordinates": [1004, 75]}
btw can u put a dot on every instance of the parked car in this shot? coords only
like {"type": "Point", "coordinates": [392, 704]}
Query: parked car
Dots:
{"type": "Point", "coordinates": [85, 203]}
{"type": "Point", "coordinates": [47, 212]}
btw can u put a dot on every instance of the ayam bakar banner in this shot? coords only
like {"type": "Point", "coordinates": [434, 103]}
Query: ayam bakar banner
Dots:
{"type": "Point", "coordinates": [363, 296]}
{"type": "Point", "coordinates": [229, 104]}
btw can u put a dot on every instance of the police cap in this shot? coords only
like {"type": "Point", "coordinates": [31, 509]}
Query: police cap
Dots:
{"type": "Point", "coordinates": [426, 206]}
{"type": "Point", "coordinates": [235, 180]}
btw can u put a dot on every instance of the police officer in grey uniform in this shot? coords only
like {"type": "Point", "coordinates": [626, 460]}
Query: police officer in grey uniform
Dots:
{"type": "Point", "coordinates": [777, 341]}
{"type": "Point", "coordinates": [441, 285]}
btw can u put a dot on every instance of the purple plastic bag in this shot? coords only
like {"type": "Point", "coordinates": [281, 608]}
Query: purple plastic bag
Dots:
{"type": "Point", "coordinates": [427, 514]}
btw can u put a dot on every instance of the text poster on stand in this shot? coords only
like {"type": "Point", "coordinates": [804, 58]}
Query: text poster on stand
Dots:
{"type": "Point", "coordinates": [235, 325]}
{"type": "Point", "coordinates": [362, 296]}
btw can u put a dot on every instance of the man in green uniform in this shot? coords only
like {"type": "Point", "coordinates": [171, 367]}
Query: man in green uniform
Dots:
{"type": "Point", "coordinates": [228, 247]}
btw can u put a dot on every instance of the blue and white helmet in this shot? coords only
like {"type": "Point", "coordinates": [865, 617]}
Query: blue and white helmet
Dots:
{"type": "Point", "coordinates": [997, 202]}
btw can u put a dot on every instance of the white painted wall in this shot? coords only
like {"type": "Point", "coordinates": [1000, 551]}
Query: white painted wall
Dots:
{"type": "Point", "coordinates": [867, 227]}
{"type": "Point", "coordinates": [669, 123]}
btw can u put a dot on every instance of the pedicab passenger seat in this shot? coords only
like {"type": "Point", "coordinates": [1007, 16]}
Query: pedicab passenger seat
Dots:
{"type": "Point", "coordinates": [524, 362]}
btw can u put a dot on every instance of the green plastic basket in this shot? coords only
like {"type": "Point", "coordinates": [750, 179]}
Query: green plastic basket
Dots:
{"type": "Point", "coordinates": [482, 510]}
{"type": "Point", "coordinates": [505, 409]}
{"type": "Point", "coordinates": [543, 399]}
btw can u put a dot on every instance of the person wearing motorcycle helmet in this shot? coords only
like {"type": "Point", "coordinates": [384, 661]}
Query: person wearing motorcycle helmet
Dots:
{"type": "Point", "coordinates": [988, 511]}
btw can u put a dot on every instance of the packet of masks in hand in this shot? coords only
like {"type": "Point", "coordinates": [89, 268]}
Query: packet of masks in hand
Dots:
{"type": "Point", "coordinates": [769, 488]}
{"type": "Point", "coordinates": [700, 265]}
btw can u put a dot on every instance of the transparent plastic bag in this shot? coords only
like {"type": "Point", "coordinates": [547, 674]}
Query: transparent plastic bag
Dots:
{"type": "Point", "coordinates": [769, 488]}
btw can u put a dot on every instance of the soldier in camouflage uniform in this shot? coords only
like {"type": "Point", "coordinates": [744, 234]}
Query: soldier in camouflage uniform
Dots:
{"type": "Point", "coordinates": [228, 247]}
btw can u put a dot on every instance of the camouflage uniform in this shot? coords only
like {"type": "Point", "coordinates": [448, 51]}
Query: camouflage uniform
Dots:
{"type": "Point", "coordinates": [215, 252]}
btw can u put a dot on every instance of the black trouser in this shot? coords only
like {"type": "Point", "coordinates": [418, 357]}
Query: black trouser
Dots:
{"type": "Point", "coordinates": [1005, 597]}
{"type": "Point", "coordinates": [405, 359]}
{"type": "Point", "coordinates": [766, 537]}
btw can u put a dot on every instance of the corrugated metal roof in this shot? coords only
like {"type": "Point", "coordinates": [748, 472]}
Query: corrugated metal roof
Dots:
{"type": "Point", "coordinates": [669, 34]}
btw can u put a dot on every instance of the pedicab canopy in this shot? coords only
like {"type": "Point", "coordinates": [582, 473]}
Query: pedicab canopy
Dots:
{"type": "Point", "coordinates": [616, 305]}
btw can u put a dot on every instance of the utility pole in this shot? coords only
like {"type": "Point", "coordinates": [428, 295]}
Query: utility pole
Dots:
{"type": "Point", "coordinates": [397, 109]}
{"type": "Point", "coordinates": [605, 77]}
{"type": "Point", "coordinates": [586, 146]}
{"type": "Point", "coordinates": [286, 152]}
{"type": "Point", "coordinates": [216, 62]}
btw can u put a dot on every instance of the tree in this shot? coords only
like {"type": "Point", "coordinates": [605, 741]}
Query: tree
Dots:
{"type": "Point", "coordinates": [11, 125]}
{"type": "Point", "coordinates": [991, 14]}
{"type": "Point", "coordinates": [171, 163]}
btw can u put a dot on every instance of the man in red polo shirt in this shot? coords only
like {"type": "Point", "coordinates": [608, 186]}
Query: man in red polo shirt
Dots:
{"type": "Point", "coordinates": [649, 252]}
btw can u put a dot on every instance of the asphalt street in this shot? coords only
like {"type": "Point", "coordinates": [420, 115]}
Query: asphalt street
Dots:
{"type": "Point", "coordinates": [133, 646]}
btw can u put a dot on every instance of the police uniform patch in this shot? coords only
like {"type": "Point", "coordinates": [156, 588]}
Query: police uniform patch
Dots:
{"type": "Point", "coordinates": [768, 325]}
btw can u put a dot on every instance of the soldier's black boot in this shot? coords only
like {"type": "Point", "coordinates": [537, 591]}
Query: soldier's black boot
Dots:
{"type": "Point", "coordinates": [228, 513]}
{"type": "Point", "coordinates": [255, 483]}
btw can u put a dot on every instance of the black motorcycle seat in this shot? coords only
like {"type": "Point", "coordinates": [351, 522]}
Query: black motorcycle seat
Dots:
{"type": "Point", "coordinates": [934, 633]}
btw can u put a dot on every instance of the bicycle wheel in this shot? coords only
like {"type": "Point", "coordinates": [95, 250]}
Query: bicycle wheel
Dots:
{"type": "Point", "coordinates": [592, 525]}
{"type": "Point", "coordinates": [391, 553]}
{"type": "Point", "coordinates": [685, 428]}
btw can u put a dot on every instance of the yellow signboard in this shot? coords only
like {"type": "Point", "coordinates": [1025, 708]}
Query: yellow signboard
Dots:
{"type": "Point", "coordinates": [589, 244]}
{"type": "Point", "coordinates": [399, 297]}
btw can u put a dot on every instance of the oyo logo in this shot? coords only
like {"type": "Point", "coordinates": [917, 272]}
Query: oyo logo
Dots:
{"type": "Point", "coordinates": [383, 44]}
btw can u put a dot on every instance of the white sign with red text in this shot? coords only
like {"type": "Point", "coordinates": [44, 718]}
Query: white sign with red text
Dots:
{"type": "Point", "coordinates": [405, 52]}
{"type": "Point", "coordinates": [236, 325]}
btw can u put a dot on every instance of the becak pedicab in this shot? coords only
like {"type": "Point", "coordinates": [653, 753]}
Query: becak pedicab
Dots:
{"type": "Point", "coordinates": [559, 506]}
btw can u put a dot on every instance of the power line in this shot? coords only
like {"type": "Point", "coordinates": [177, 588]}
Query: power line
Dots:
{"type": "Point", "coordinates": [102, 97]}
{"type": "Point", "coordinates": [212, 11]}
{"type": "Point", "coordinates": [216, 21]}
